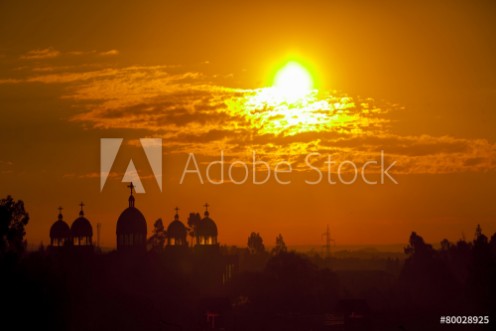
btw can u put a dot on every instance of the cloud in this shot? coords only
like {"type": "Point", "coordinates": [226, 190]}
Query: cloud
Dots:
{"type": "Point", "coordinates": [8, 81]}
{"type": "Point", "coordinates": [69, 77]}
{"type": "Point", "coordinates": [193, 114]}
{"type": "Point", "coordinates": [6, 167]}
{"type": "Point", "coordinates": [38, 54]}
{"type": "Point", "coordinates": [51, 53]}
{"type": "Point", "coordinates": [112, 52]}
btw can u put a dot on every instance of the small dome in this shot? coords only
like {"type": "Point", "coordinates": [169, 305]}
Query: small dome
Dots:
{"type": "Point", "coordinates": [130, 221]}
{"type": "Point", "coordinates": [60, 230]}
{"type": "Point", "coordinates": [81, 227]}
{"type": "Point", "coordinates": [207, 227]}
{"type": "Point", "coordinates": [176, 230]}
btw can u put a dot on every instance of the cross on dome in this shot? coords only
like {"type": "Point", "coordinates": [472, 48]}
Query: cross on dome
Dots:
{"type": "Point", "coordinates": [81, 213]}
{"type": "Point", "coordinates": [206, 205]}
{"type": "Point", "coordinates": [131, 186]}
{"type": "Point", "coordinates": [131, 198]}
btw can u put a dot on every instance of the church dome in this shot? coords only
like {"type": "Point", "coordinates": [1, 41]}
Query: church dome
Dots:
{"type": "Point", "coordinates": [177, 232]}
{"type": "Point", "coordinates": [176, 229]}
{"type": "Point", "coordinates": [207, 227]}
{"type": "Point", "coordinates": [81, 227]}
{"type": "Point", "coordinates": [60, 229]}
{"type": "Point", "coordinates": [131, 228]}
{"type": "Point", "coordinates": [131, 220]}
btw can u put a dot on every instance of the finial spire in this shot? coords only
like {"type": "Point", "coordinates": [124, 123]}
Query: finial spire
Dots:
{"type": "Point", "coordinates": [81, 213]}
{"type": "Point", "coordinates": [131, 186]}
{"type": "Point", "coordinates": [177, 213]}
{"type": "Point", "coordinates": [60, 212]}
{"type": "Point", "coordinates": [206, 205]}
{"type": "Point", "coordinates": [131, 198]}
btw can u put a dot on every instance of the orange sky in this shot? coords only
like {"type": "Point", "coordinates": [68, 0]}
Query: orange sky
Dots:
{"type": "Point", "coordinates": [414, 79]}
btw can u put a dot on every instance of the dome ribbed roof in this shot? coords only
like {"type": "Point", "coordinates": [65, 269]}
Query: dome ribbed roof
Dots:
{"type": "Point", "coordinates": [207, 227]}
{"type": "Point", "coordinates": [81, 227]}
{"type": "Point", "coordinates": [131, 220]}
{"type": "Point", "coordinates": [176, 229]}
{"type": "Point", "coordinates": [60, 230]}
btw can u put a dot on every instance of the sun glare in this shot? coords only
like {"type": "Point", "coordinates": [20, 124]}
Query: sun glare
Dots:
{"type": "Point", "coordinates": [293, 105]}
{"type": "Point", "coordinates": [293, 82]}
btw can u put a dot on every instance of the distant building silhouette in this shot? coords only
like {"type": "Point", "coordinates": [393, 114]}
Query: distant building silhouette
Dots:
{"type": "Point", "coordinates": [177, 232]}
{"type": "Point", "coordinates": [60, 233]}
{"type": "Point", "coordinates": [131, 231]}
{"type": "Point", "coordinates": [202, 257]}
{"type": "Point", "coordinates": [131, 228]}
{"type": "Point", "coordinates": [78, 237]}
{"type": "Point", "coordinates": [81, 230]}
{"type": "Point", "coordinates": [206, 230]}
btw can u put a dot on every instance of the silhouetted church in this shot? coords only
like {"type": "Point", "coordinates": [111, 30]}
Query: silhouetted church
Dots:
{"type": "Point", "coordinates": [131, 231]}
{"type": "Point", "coordinates": [202, 256]}
{"type": "Point", "coordinates": [79, 236]}
{"type": "Point", "coordinates": [206, 232]}
{"type": "Point", "coordinates": [131, 228]}
{"type": "Point", "coordinates": [177, 232]}
{"type": "Point", "coordinates": [81, 230]}
{"type": "Point", "coordinates": [60, 233]}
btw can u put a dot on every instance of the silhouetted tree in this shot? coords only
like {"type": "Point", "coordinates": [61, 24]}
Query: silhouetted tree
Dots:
{"type": "Point", "coordinates": [492, 243]}
{"type": "Point", "coordinates": [425, 278]}
{"type": "Point", "coordinates": [280, 245]}
{"type": "Point", "coordinates": [479, 237]}
{"type": "Point", "coordinates": [157, 239]}
{"type": "Point", "coordinates": [482, 271]}
{"type": "Point", "coordinates": [255, 243]}
{"type": "Point", "coordinates": [458, 258]}
{"type": "Point", "coordinates": [445, 245]}
{"type": "Point", "coordinates": [193, 221]}
{"type": "Point", "coordinates": [417, 247]}
{"type": "Point", "coordinates": [13, 219]}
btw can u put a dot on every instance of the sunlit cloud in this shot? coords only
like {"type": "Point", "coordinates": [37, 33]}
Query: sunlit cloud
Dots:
{"type": "Point", "coordinates": [111, 52]}
{"type": "Point", "coordinates": [38, 54]}
{"type": "Point", "coordinates": [193, 114]}
{"type": "Point", "coordinates": [50, 53]}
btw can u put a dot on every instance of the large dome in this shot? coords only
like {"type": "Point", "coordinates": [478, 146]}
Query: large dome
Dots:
{"type": "Point", "coordinates": [130, 221]}
{"type": "Point", "coordinates": [207, 227]}
{"type": "Point", "coordinates": [81, 227]}
{"type": "Point", "coordinates": [176, 230]}
{"type": "Point", "coordinates": [60, 230]}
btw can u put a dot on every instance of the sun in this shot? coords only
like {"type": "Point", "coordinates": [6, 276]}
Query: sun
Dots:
{"type": "Point", "coordinates": [293, 82]}
{"type": "Point", "coordinates": [292, 104]}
